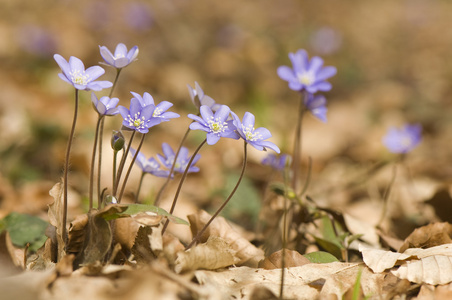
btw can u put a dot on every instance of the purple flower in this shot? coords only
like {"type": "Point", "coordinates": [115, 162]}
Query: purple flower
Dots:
{"type": "Point", "coordinates": [277, 162]}
{"type": "Point", "coordinates": [199, 98]}
{"type": "Point", "coordinates": [150, 165]}
{"type": "Point", "coordinates": [121, 58]}
{"type": "Point", "coordinates": [105, 106]}
{"type": "Point", "coordinates": [317, 106]}
{"type": "Point", "coordinates": [137, 16]}
{"type": "Point", "coordinates": [306, 74]}
{"type": "Point", "coordinates": [138, 118]}
{"type": "Point", "coordinates": [216, 125]}
{"type": "Point", "coordinates": [254, 137]}
{"type": "Point", "coordinates": [403, 140]}
{"type": "Point", "coordinates": [160, 113]}
{"type": "Point", "coordinates": [181, 161]}
{"type": "Point", "coordinates": [74, 73]}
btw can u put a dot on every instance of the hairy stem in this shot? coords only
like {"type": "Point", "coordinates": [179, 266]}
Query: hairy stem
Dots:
{"type": "Point", "coordinates": [200, 233]}
{"type": "Point", "coordinates": [121, 164]}
{"type": "Point", "coordinates": [124, 183]}
{"type": "Point", "coordinates": [93, 159]}
{"type": "Point", "coordinates": [182, 182]}
{"type": "Point", "coordinates": [99, 163]}
{"type": "Point", "coordinates": [66, 169]}
{"type": "Point", "coordinates": [137, 196]}
{"type": "Point", "coordinates": [297, 146]}
{"type": "Point", "coordinates": [157, 198]}
{"type": "Point", "coordinates": [284, 233]}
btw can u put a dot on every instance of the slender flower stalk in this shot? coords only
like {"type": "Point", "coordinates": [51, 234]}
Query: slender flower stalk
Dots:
{"type": "Point", "coordinates": [162, 189]}
{"type": "Point", "coordinates": [297, 145]}
{"type": "Point", "coordinates": [93, 159]}
{"type": "Point", "coordinates": [124, 183]}
{"type": "Point", "coordinates": [66, 169]}
{"type": "Point", "coordinates": [121, 165]}
{"type": "Point", "coordinates": [201, 232]}
{"type": "Point", "coordinates": [179, 188]}
{"type": "Point", "coordinates": [140, 183]}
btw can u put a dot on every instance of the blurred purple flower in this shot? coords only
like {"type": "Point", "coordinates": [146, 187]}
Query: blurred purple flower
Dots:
{"type": "Point", "coordinates": [138, 16]}
{"type": "Point", "coordinates": [326, 40]}
{"type": "Point", "coordinates": [277, 162]}
{"type": "Point", "coordinates": [198, 98]}
{"type": "Point", "coordinates": [160, 113]}
{"type": "Point", "coordinates": [138, 118]}
{"type": "Point", "coordinates": [316, 104]}
{"type": "Point", "coordinates": [254, 137]}
{"type": "Point", "coordinates": [36, 40]}
{"type": "Point", "coordinates": [307, 74]}
{"type": "Point", "coordinates": [74, 73]}
{"type": "Point", "coordinates": [121, 58]}
{"type": "Point", "coordinates": [182, 160]}
{"type": "Point", "coordinates": [216, 125]}
{"type": "Point", "coordinates": [403, 140]}
{"type": "Point", "coordinates": [150, 165]}
{"type": "Point", "coordinates": [105, 106]}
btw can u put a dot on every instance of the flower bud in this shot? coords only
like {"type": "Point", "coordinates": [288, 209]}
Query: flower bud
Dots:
{"type": "Point", "coordinates": [117, 140]}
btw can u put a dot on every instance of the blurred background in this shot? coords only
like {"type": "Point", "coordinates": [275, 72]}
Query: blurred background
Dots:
{"type": "Point", "coordinates": [393, 61]}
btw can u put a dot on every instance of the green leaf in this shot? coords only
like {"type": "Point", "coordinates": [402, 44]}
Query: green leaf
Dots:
{"type": "Point", "coordinates": [320, 257]}
{"type": "Point", "coordinates": [25, 229]}
{"type": "Point", "coordinates": [329, 246]}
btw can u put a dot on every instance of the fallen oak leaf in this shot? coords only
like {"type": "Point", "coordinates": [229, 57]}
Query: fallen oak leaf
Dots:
{"type": "Point", "coordinates": [427, 236]}
{"type": "Point", "coordinates": [248, 254]}
{"type": "Point", "coordinates": [216, 253]}
{"type": "Point", "coordinates": [292, 259]}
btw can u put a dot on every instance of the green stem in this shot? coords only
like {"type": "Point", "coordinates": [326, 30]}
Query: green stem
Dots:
{"type": "Point", "coordinates": [297, 145]}
{"type": "Point", "coordinates": [139, 187]}
{"type": "Point", "coordinates": [157, 198]}
{"type": "Point", "coordinates": [182, 182]}
{"type": "Point", "coordinates": [121, 165]}
{"type": "Point", "coordinates": [93, 159]}
{"type": "Point", "coordinates": [66, 169]}
{"type": "Point", "coordinates": [124, 183]}
{"type": "Point", "coordinates": [200, 233]}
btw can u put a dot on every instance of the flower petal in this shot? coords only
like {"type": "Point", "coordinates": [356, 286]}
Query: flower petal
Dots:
{"type": "Point", "coordinates": [286, 73]}
{"type": "Point", "coordinates": [121, 50]}
{"type": "Point", "coordinates": [223, 113]}
{"type": "Point", "coordinates": [133, 53]}
{"type": "Point", "coordinates": [248, 120]}
{"type": "Point", "coordinates": [76, 64]}
{"type": "Point", "coordinates": [94, 72]}
{"type": "Point", "coordinates": [206, 113]}
{"type": "Point", "coordinates": [326, 73]}
{"type": "Point", "coordinates": [212, 138]}
{"type": "Point", "coordinates": [107, 55]}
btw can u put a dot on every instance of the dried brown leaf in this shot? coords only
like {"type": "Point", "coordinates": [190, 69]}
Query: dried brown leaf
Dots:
{"type": "Point", "coordinates": [432, 265]}
{"type": "Point", "coordinates": [431, 235]}
{"type": "Point", "coordinates": [292, 259]}
{"type": "Point", "coordinates": [76, 234]}
{"type": "Point", "coordinates": [239, 283]}
{"type": "Point", "coordinates": [55, 214]}
{"type": "Point", "coordinates": [248, 254]}
{"type": "Point", "coordinates": [8, 260]}
{"type": "Point", "coordinates": [216, 253]}
{"type": "Point", "coordinates": [148, 243]}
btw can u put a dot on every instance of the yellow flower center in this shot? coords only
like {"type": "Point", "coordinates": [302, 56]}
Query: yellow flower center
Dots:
{"type": "Point", "coordinates": [216, 126]}
{"type": "Point", "coordinates": [78, 77]}
{"type": "Point", "coordinates": [305, 78]}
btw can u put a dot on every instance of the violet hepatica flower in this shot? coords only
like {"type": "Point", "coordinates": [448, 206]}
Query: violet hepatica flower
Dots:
{"type": "Point", "coordinates": [105, 106]}
{"type": "Point", "coordinates": [160, 113]}
{"type": "Point", "coordinates": [182, 160]}
{"type": "Point", "coordinates": [277, 162]}
{"type": "Point", "coordinates": [403, 140]}
{"type": "Point", "coordinates": [254, 137]}
{"type": "Point", "coordinates": [138, 118]}
{"type": "Point", "coordinates": [121, 58]}
{"type": "Point", "coordinates": [150, 165]}
{"type": "Point", "coordinates": [215, 124]}
{"type": "Point", "coordinates": [198, 98]}
{"type": "Point", "coordinates": [309, 75]}
{"type": "Point", "coordinates": [316, 104]}
{"type": "Point", "coordinates": [74, 73]}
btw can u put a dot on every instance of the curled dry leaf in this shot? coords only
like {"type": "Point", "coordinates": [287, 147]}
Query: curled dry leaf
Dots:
{"type": "Point", "coordinates": [431, 235]}
{"type": "Point", "coordinates": [55, 213]}
{"type": "Point", "coordinates": [239, 283]}
{"type": "Point", "coordinates": [216, 253]}
{"type": "Point", "coordinates": [292, 259]}
{"type": "Point", "coordinates": [247, 253]}
{"type": "Point", "coordinates": [432, 265]}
